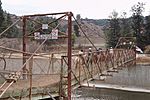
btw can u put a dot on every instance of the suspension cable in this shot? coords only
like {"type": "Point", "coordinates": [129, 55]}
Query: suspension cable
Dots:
{"type": "Point", "coordinates": [32, 54]}
{"type": "Point", "coordinates": [9, 27]}
{"type": "Point", "coordinates": [35, 51]}
{"type": "Point", "coordinates": [84, 33]}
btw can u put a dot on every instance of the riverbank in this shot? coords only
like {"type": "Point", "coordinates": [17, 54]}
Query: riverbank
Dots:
{"type": "Point", "coordinates": [130, 80]}
{"type": "Point", "coordinates": [143, 59]}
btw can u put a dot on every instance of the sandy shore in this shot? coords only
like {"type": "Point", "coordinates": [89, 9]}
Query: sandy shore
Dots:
{"type": "Point", "coordinates": [143, 59]}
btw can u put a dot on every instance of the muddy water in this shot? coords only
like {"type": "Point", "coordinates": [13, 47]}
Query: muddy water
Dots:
{"type": "Point", "coordinates": [130, 77]}
{"type": "Point", "coordinates": [108, 94]}
{"type": "Point", "coordinates": [133, 76]}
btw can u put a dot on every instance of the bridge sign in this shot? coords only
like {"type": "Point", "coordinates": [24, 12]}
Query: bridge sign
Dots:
{"type": "Point", "coordinates": [52, 35]}
{"type": "Point", "coordinates": [44, 26]}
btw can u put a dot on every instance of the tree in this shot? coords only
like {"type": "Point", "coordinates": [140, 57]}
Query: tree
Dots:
{"type": "Point", "coordinates": [11, 32]}
{"type": "Point", "coordinates": [138, 22]}
{"type": "Point", "coordinates": [73, 38]}
{"type": "Point", "coordinates": [112, 31]}
{"type": "Point", "coordinates": [1, 16]}
{"type": "Point", "coordinates": [125, 24]}
{"type": "Point", "coordinates": [78, 17]}
{"type": "Point", "coordinates": [76, 30]}
{"type": "Point", "coordinates": [147, 30]}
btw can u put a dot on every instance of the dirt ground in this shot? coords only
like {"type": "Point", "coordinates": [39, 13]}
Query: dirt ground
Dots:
{"type": "Point", "coordinates": [41, 81]}
{"type": "Point", "coordinates": [143, 59]}
{"type": "Point", "coordinates": [40, 85]}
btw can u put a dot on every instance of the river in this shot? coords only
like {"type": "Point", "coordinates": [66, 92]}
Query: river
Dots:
{"type": "Point", "coordinates": [131, 83]}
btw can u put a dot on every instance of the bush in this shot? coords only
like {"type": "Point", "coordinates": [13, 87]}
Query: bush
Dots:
{"type": "Point", "coordinates": [147, 49]}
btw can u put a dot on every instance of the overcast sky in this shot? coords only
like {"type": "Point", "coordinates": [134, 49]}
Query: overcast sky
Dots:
{"type": "Point", "coordinates": [96, 9]}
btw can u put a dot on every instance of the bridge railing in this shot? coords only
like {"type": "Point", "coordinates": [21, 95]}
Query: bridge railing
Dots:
{"type": "Point", "coordinates": [87, 65]}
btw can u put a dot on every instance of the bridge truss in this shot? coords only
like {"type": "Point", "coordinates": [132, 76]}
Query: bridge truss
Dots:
{"type": "Point", "coordinates": [62, 65]}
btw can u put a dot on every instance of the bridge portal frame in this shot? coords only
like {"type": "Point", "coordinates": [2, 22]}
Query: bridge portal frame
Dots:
{"type": "Point", "coordinates": [69, 50]}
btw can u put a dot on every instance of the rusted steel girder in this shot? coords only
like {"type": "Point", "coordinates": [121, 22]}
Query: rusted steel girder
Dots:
{"type": "Point", "coordinates": [46, 14]}
{"type": "Point", "coordinates": [24, 46]}
{"type": "Point", "coordinates": [69, 53]}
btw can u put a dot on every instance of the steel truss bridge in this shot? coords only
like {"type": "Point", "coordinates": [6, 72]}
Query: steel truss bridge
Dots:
{"type": "Point", "coordinates": [23, 72]}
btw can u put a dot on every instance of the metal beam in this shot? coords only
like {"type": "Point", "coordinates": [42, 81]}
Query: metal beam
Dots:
{"type": "Point", "coordinates": [24, 46]}
{"type": "Point", "coordinates": [46, 14]}
{"type": "Point", "coordinates": [69, 52]}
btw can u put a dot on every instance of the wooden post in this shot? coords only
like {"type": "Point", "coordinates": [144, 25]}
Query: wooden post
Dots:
{"type": "Point", "coordinates": [30, 73]}
{"type": "Point", "coordinates": [61, 80]}
{"type": "Point", "coordinates": [52, 61]}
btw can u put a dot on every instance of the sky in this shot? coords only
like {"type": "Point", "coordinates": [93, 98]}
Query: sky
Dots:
{"type": "Point", "coordinates": [92, 9]}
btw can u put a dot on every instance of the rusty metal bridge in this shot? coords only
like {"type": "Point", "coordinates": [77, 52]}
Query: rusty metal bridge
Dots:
{"type": "Point", "coordinates": [27, 74]}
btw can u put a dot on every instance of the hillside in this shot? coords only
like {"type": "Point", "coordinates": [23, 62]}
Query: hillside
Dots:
{"type": "Point", "coordinates": [92, 28]}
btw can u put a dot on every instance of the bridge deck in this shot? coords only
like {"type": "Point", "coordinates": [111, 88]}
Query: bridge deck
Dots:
{"type": "Point", "coordinates": [39, 85]}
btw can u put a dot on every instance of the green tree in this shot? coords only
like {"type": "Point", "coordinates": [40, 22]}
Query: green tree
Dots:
{"type": "Point", "coordinates": [11, 32]}
{"type": "Point", "coordinates": [147, 30]}
{"type": "Point", "coordinates": [73, 38]}
{"type": "Point", "coordinates": [125, 24]}
{"type": "Point", "coordinates": [112, 32]}
{"type": "Point", "coordinates": [138, 23]}
{"type": "Point", "coordinates": [1, 16]}
{"type": "Point", "coordinates": [76, 30]}
{"type": "Point", "coordinates": [78, 17]}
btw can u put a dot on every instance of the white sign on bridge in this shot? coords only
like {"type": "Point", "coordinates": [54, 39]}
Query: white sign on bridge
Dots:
{"type": "Point", "coordinates": [44, 26]}
{"type": "Point", "coordinates": [52, 35]}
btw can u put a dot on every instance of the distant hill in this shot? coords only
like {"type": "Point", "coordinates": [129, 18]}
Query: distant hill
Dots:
{"type": "Point", "coordinates": [99, 22]}
{"type": "Point", "coordinates": [91, 29]}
